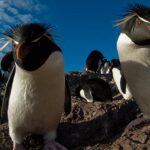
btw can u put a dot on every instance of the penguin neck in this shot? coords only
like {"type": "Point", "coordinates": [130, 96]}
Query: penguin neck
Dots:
{"type": "Point", "coordinates": [124, 42]}
{"type": "Point", "coordinates": [129, 51]}
{"type": "Point", "coordinates": [53, 65]}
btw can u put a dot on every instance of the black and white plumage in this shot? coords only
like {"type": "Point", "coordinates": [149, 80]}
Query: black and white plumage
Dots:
{"type": "Point", "coordinates": [134, 53]}
{"type": "Point", "coordinates": [105, 67]}
{"type": "Point", "coordinates": [94, 89]}
{"type": "Point", "coordinates": [94, 60]}
{"type": "Point", "coordinates": [38, 91]}
{"type": "Point", "coordinates": [120, 80]}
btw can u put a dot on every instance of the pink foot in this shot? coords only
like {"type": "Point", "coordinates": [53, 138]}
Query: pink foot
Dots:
{"type": "Point", "coordinates": [18, 147]}
{"type": "Point", "coordinates": [137, 122]}
{"type": "Point", "coordinates": [52, 145]}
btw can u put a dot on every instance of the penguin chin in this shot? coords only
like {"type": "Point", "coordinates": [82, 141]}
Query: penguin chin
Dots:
{"type": "Point", "coordinates": [30, 60]}
{"type": "Point", "coordinates": [27, 64]}
{"type": "Point", "coordinates": [22, 64]}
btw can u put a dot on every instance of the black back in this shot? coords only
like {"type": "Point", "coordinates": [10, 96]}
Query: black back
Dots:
{"type": "Point", "coordinates": [93, 59]}
{"type": "Point", "coordinates": [99, 88]}
{"type": "Point", "coordinates": [7, 60]}
{"type": "Point", "coordinates": [5, 101]}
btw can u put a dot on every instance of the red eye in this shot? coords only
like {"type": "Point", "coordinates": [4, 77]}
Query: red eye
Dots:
{"type": "Point", "coordinates": [139, 22]}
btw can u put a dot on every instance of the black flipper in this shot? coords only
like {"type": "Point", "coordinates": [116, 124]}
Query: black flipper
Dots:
{"type": "Point", "coordinates": [123, 84]}
{"type": "Point", "coordinates": [67, 105]}
{"type": "Point", "coordinates": [4, 117]}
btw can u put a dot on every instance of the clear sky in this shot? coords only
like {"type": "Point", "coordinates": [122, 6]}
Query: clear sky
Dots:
{"type": "Point", "coordinates": [80, 25]}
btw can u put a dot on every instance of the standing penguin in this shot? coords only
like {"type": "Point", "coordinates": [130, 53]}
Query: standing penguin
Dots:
{"type": "Point", "coordinates": [94, 89]}
{"type": "Point", "coordinates": [105, 67]}
{"type": "Point", "coordinates": [134, 53]}
{"type": "Point", "coordinates": [120, 80]}
{"type": "Point", "coordinates": [7, 62]}
{"type": "Point", "coordinates": [93, 61]}
{"type": "Point", "coordinates": [38, 92]}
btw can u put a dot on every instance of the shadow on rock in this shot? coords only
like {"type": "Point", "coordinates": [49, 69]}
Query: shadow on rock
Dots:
{"type": "Point", "coordinates": [101, 129]}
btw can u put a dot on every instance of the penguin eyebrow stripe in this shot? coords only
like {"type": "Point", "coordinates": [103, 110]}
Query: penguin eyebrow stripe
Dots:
{"type": "Point", "coordinates": [11, 39]}
{"type": "Point", "coordinates": [38, 38]}
{"type": "Point", "coordinates": [144, 20]}
{"type": "Point", "coordinates": [137, 10]}
{"type": "Point", "coordinates": [12, 32]}
{"type": "Point", "coordinates": [2, 47]}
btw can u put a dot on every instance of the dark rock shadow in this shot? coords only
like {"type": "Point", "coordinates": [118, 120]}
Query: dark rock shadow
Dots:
{"type": "Point", "coordinates": [99, 130]}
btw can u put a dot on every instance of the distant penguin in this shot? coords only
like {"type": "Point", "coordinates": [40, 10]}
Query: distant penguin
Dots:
{"type": "Point", "coordinates": [93, 61]}
{"type": "Point", "coordinates": [105, 67]}
{"type": "Point", "coordinates": [38, 91]}
{"type": "Point", "coordinates": [94, 89]}
{"type": "Point", "coordinates": [120, 80]}
{"type": "Point", "coordinates": [134, 53]}
{"type": "Point", "coordinates": [7, 64]}
{"type": "Point", "coordinates": [7, 61]}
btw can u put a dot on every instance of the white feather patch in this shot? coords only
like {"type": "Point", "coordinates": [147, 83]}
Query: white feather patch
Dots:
{"type": "Point", "coordinates": [82, 94]}
{"type": "Point", "coordinates": [117, 77]}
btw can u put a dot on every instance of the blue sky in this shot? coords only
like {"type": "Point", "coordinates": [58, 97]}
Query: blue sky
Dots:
{"type": "Point", "coordinates": [80, 25]}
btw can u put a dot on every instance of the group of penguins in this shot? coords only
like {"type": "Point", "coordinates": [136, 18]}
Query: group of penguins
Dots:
{"type": "Point", "coordinates": [95, 88]}
{"type": "Point", "coordinates": [37, 91]}
{"type": "Point", "coordinates": [90, 88]}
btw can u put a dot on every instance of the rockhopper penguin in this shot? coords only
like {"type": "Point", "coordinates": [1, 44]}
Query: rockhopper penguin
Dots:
{"type": "Point", "coordinates": [95, 89]}
{"type": "Point", "coordinates": [38, 92]}
{"type": "Point", "coordinates": [93, 61]}
{"type": "Point", "coordinates": [105, 67]}
{"type": "Point", "coordinates": [134, 53]}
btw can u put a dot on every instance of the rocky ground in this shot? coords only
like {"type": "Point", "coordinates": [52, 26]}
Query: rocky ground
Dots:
{"type": "Point", "coordinates": [93, 126]}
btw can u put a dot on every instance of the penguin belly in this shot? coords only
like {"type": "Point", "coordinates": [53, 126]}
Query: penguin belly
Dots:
{"type": "Point", "coordinates": [135, 62]}
{"type": "Point", "coordinates": [37, 97]}
{"type": "Point", "coordinates": [117, 77]}
{"type": "Point", "coordinates": [86, 94]}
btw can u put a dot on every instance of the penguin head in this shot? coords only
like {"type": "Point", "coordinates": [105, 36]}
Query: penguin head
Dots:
{"type": "Point", "coordinates": [94, 60]}
{"type": "Point", "coordinates": [95, 54]}
{"type": "Point", "coordinates": [115, 63]}
{"type": "Point", "coordinates": [136, 24]}
{"type": "Point", "coordinates": [106, 62]}
{"type": "Point", "coordinates": [32, 45]}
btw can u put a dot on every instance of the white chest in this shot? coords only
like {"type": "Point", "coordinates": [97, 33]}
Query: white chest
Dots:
{"type": "Point", "coordinates": [117, 78]}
